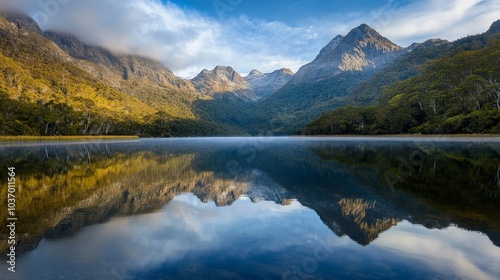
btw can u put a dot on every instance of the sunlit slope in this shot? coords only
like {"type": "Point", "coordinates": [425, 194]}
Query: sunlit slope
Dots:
{"type": "Point", "coordinates": [39, 75]}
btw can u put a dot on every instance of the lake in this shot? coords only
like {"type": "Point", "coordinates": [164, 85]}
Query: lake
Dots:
{"type": "Point", "coordinates": [255, 208]}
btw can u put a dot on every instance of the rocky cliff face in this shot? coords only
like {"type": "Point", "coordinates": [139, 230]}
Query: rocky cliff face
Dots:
{"type": "Point", "coordinates": [222, 79]}
{"type": "Point", "coordinates": [361, 49]}
{"type": "Point", "coordinates": [21, 21]}
{"type": "Point", "coordinates": [264, 84]}
{"type": "Point", "coordinates": [495, 28]}
{"type": "Point", "coordinates": [125, 67]}
{"type": "Point", "coordinates": [140, 77]}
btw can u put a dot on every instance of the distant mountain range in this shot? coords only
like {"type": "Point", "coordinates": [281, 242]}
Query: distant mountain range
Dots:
{"type": "Point", "coordinates": [54, 84]}
{"type": "Point", "coordinates": [253, 87]}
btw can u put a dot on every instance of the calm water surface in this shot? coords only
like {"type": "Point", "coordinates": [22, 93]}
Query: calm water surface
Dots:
{"type": "Point", "coordinates": [255, 208]}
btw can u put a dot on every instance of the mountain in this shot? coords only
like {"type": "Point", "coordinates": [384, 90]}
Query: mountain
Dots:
{"type": "Point", "coordinates": [325, 83]}
{"type": "Point", "coordinates": [54, 84]}
{"type": "Point", "coordinates": [494, 28]}
{"type": "Point", "coordinates": [43, 90]}
{"type": "Point", "coordinates": [264, 84]}
{"type": "Point", "coordinates": [222, 79]}
{"type": "Point", "coordinates": [455, 89]}
{"type": "Point", "coordinates": [129, 66]}
{"type": "Point", "coordinates": [404, 67]}
{"type": "Point", "coordinates": [140, 77]}
{"type": "Point", "coordinates": [412, 61]}
{"type": "Point", "coordinates": [362, 48]}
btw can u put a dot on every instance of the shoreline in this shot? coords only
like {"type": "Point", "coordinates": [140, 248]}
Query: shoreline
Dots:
{"type": "Point", "coordinates": [405, 136]}
{"type": "Point", "coordinates": [13, 139]}
{"type": "Point", "coordinates": [27, 139]}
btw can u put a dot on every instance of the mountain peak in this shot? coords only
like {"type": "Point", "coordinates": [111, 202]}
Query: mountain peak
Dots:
{"type": "Point", "coordinates": [219, 72]}
{"type": "Point", "coordinates": [361, 32]}
{"type": "Point", "coordinates": [365, 35]}
{"type": "Point", "coordinates": [22, 21]}
{"type": "Point", "coordinates": [495, 28]}
{"type": "Point", "coordinates": [364, 26]}
{"type": "Point", "coordinates": [255, 72]}
{"type": "Point", "coordinates": [361, 49]}
{"type": "Point", "coordinates": [368, 40]}
{"type": "Point", "coordinates": [220, 68]}
{"type": "Point", "coordinates": [284, 71]}
{"type": "Point", "coordinates": [220, 80]}
{"type": "Point", "coordinates": [264, 84]}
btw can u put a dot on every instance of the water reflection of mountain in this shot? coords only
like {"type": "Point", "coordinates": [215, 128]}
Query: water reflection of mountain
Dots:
{"type": "Point", "coordinates": [62, 189]}
{"type": "Point", "coordinates": [65, 188]}
{"type": "Point", "coordinates": [346, 184]}
{"type": "Point", "coordinates": [458, 183]}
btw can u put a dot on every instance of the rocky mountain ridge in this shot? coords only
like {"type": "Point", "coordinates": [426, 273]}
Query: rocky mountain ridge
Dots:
{"type": "Point", "coordinates": [254, 86]}
{"type": "Point", "coordinates": [222, 79]}
{"type": "Point", "coordinates": [21, 21]}
{"type": "Point", "coordinates": [127, 66]}
{"type": "Point", "coordinates": [361, 49]}
{"type": "Point", "coordinates": [264, 84]}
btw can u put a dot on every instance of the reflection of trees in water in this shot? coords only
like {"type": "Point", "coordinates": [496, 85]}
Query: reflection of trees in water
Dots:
{"type": "Point", "coordinates": [61, 190]}
{"type": "Point", "coordinates": [64, 188]}
{"type": "Point", "coordinates": [456, 181]}
{"type": "Point", "coordinates": [452, 183]}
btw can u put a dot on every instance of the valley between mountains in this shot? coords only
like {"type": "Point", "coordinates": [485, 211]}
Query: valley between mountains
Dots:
{"type": "Point", "coordinates": [360, 83]}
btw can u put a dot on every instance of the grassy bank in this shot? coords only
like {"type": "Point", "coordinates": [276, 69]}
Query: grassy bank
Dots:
{"type": "Point", "coordinates": [63, 138]}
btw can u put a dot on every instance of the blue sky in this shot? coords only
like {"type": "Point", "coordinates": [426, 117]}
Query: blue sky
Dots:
{"type": "Point", "coordinates": [288, 12]}
{"type": "Point", "coordinates": [190, 35]}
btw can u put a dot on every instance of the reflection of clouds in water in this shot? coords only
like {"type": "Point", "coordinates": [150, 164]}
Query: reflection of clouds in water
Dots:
{"type": "Point", "coordinates": [187, 230]}
{"type": "Point", "coordinates": [465, 254]}
{"type": "Point", "coordinates": [187, 225]}
{"type": "Point", "coordinates": [184, 228]}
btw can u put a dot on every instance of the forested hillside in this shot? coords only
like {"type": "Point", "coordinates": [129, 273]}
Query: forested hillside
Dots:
{"type": "Point", "coordinates": [410, 64]}
{"type": "Point", "coordinates": [459, 93]}
{"type": "Point", "coordinates": [42, 92]}
{"type": "Point", "coordinates": [292, 107]}
{"type": "Point", "coordinates": [83, 90]}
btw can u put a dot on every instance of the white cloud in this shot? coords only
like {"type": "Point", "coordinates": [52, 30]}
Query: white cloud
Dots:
{"type": "Point", "coordinates": [452, 251]}
{"type": "Point", "coordinates": [427, 19]}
